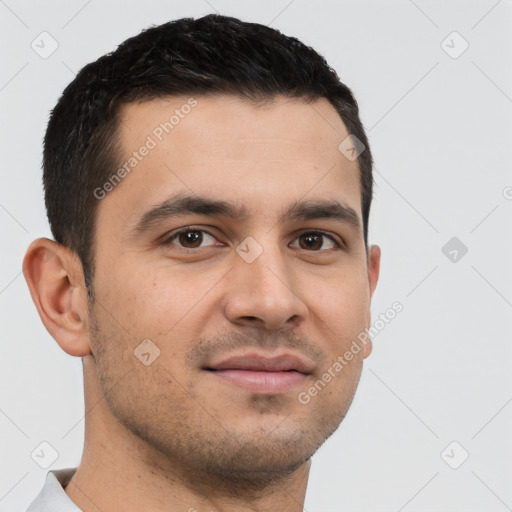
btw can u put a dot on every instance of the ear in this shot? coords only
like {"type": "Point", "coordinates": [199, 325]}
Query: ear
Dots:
{"type": "Point", "coordinates": [373, 277]}
{"type": "Point", "coordinates": [55, 278]}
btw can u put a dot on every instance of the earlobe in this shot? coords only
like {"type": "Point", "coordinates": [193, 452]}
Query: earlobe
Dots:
{"type": "Point", "coordinates": [367, 349]}
{"type": "Point", "coordinates": [55, 280]}
{"type": "Point", "coordinates": [374, 254]}
{"type": "Point", "coordinates": [368, 344]}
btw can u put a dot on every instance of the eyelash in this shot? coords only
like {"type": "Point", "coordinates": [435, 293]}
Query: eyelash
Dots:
{"type": "Point", "coordinates": [168, 241]}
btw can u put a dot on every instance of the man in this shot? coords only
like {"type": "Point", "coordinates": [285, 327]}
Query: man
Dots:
{"type": "Point", "coordinates": [208, 185]}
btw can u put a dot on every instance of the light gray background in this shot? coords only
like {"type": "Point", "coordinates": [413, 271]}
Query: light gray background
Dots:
{"type": "Point", "coordinates": [440, 130]}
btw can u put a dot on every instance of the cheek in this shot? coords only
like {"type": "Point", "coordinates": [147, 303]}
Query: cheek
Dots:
{"type": "Point", "coordinates": [342, 303]}
{"type": "Point", "coordinates": [161, 303]}
{"type": "Point", "coordinates": [135, 296]}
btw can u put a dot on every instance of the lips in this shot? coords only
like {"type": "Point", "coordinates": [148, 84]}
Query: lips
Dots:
{"type": "Point", "coordinates": [262, 374]}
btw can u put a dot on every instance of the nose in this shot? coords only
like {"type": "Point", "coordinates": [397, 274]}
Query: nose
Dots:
{"type": "Point", "coordinates": [264, 293]}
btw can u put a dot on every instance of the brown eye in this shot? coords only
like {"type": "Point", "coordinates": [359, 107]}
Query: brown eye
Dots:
{"type": "Point", "coordinates": [315, 241]}
{"type": "Point", "coordinates": [190, 238]}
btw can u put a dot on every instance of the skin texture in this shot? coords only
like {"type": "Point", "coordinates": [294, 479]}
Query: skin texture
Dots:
{"type": "Point", "coordinates": [172, 435]}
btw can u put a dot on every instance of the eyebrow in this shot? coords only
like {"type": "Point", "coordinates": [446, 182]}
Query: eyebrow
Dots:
{"type": "Point", "coordinates": [181, 205]}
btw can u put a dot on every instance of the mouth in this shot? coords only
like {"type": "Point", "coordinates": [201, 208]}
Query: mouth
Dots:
{"type": "Point", "coordinates": [260, 374]}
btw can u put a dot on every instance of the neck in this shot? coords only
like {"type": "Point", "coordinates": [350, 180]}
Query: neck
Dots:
{"type": "Point", "coordinates": [121, 472]}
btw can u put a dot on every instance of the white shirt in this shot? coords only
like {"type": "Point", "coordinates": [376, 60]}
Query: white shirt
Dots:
{"type": "Point", "coordinates": [52, 497]}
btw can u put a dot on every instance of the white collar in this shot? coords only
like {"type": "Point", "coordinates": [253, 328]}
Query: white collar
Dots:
{"type": "Point", "coordinates": [52, 497]}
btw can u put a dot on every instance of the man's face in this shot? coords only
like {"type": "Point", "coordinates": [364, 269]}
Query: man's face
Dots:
{"type": "Point", "coordinates": [247, 311]}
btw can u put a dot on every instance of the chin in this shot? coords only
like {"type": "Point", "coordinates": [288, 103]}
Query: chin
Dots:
{"type": "Point", "coordinates": [260, 456]}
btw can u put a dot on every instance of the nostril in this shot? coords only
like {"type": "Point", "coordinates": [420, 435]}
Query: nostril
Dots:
{"type": "Point", "coordinates": [252, 318]}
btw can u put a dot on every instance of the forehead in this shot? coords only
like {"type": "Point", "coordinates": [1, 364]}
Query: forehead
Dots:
{"type": "Point", "coordinates": [214, 116]}
{"type": "Point", "coordinates": [229, 148]}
